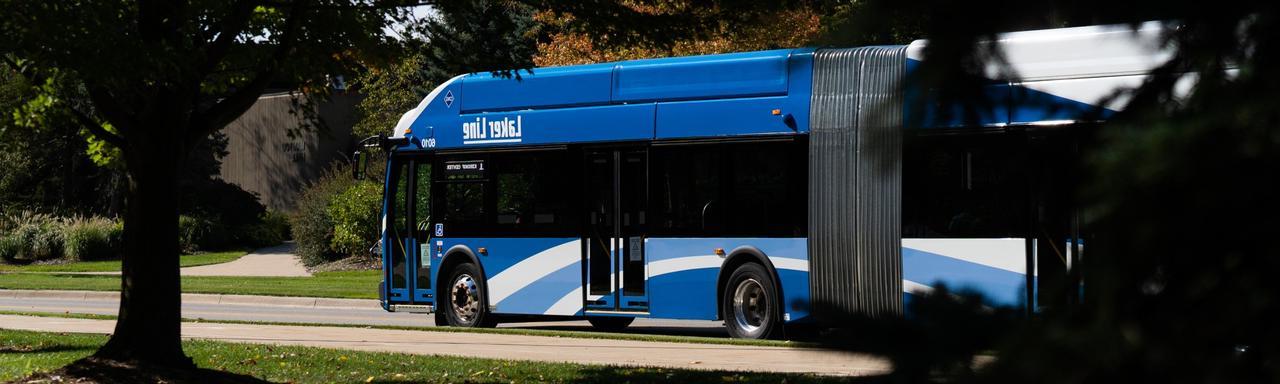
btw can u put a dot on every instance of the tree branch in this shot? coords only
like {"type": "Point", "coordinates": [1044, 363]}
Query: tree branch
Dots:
{"type": "Point", "coordinates": [231, 107]}
{"type": "Point", "coordinates": [83, 118]}
{"type": "Point", "coordinates": [97, 130]}
{"type": "Point", "coordinates": [105, 103]}
{"type": "Point", "coordinates": [231, 27]}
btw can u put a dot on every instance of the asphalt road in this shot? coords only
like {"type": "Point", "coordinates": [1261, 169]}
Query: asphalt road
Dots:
{"type": "Point", "coordinates": [360, 312]}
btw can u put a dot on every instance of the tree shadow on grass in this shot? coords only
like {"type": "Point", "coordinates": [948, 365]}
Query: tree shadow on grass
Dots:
{"type": "Point", "coordinates": [19, 349]}
{"type": "Point", "coordinates": [95, 370]}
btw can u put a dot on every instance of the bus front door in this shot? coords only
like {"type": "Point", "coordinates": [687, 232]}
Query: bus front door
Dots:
{"type": "Point", "coordinates": [617, 198]}
{"type": "Point", "coordinates": [407, 246]}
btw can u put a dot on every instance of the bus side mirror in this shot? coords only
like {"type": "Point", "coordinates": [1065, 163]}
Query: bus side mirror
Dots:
{"type": "Point", "coordinates": [360, 164]}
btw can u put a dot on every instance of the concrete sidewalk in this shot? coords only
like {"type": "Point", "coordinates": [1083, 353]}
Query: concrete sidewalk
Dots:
{"type": "Point", "coordinates": [510, 347]}
{"type": "Point", "coordinates": [201, 298]}
{"type": "Point", "coordinates": [272, 261]}
{"type": "Point", "coordinates": [277, 261]}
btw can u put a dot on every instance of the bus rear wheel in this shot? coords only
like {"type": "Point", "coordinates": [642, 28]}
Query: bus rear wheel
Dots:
{"type": "Point", "coordinates": [750, 305]}
{"type": "Point", "coordinates": [611, 324]}
{"type": "Point", "coordinates": [464, 298]}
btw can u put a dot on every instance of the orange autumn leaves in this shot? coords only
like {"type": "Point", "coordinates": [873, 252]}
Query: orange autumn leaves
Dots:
{"type": "Point", "coordinates": [785, 28]}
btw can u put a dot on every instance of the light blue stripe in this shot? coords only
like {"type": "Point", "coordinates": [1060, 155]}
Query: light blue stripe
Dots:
{"type": "Point", "coordinates": [999, 286]}
{"type": "Point", "coordinates": [538, 297]}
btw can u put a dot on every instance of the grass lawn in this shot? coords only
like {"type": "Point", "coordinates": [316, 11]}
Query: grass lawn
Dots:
{"type": "Point", "coordinates": [23, 352]}
{"type": "Point", "coordinates": [114, 265]}
{"type": "Point", "coordinates": [343, 284]}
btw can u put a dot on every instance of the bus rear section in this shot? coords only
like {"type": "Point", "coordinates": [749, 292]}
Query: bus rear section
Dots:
{"type": "Point", "coordinates": [763, 189]}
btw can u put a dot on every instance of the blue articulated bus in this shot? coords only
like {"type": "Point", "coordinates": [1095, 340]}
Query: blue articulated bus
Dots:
{"type": "Point", "coordinates": [764, 189]}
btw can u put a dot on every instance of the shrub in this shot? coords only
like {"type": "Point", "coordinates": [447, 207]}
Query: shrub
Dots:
{"type": "Point", "coordinates": [277, 223]}
{"type": "Point", "coordinates": [33, 236]}
{"type": "Point", "coordinates": [10, 246]}
{"type": "Point", "coordinates": [310, 224]}
{"type": "Point", "coordinates": [197, 233]}
{"type": "Point", "coordinates": [354, 213]}
{"type": "Point", "coordinates": [92, 239]}
{"type": "Point", "coordinates": [272, 230]}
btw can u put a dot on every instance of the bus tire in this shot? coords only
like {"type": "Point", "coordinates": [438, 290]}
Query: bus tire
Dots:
{"type": "Point", "coordinates": [611, 324]}
{"type": "Point", "coordinates": [465, 300]}
{"type": "Point", "coordinates": [750, 304]}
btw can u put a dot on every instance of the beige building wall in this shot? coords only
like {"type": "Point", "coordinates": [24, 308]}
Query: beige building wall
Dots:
{"type": "Point", "coordinates": [272, 155]}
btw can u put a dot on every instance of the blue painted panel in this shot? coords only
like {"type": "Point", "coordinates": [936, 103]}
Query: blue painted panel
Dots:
{"type": "Point", "coordinates": [801, 87]}
{"type": "Point", "coordinates": [795, 294]}
{"type": "Point", "coordinates": [503, 252]}
{"type": "Point", "coordinates": [999, 286]}
{"type": "Point", "coordinates": [1030, 106]}
{"type": "Point", "coordinates": [689, 294]}
{"type": "Point", "coordinates": [537, 297]}
{"type": "Point", "coordinates": [550, 126]}
{"type": "Point", "coordinates": [728, 117]}
{"type": "Point", "coordinates": [700, 77]}
{"type": "Point", "coordinates": [923, 109]}
{"type": "Point", "coordinates": [544, 87]}
{"type": "Point", "coordinates": [683, 272]}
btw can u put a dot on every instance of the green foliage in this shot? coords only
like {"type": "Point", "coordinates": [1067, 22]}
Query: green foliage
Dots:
{"type": "Point", "coordinates": [463, 37]}
{"type": "Point", "coordinates": [31, 236]}
{"type": "Point", "coordinates": [1177, 197]}
{"type": "Point", "coordinates": [43, 160]}
{"type": "Point", "coordinates": [311, 225]}
{"type": "Point", "coordinates": [92, 238]}
{"type": "Point", "coordinates": [272, 230]}
{"type": "Point", "coordinates": [197, 233]}
{"type": "Point", "coordinates": [354, 213]}
{"type": "Point", "coordinates": [389, 93]}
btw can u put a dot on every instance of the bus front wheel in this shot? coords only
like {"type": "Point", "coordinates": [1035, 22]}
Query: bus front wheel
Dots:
{"type": "Point", "coordinates": [750, 305]}
{"type": "Point", "coordinates": [464, 299]}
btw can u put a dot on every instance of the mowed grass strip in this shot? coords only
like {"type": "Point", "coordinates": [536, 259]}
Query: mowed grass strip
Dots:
{"type": "Point", "coordinates": [342, 284]}
{"type": "Point", "coordinates": [114, 265]}
{"type": "Point", "coordinates": [24, 352]}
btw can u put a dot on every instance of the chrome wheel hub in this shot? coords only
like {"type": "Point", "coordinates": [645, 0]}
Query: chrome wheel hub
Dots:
{"type": "Point", "coordinates": [750, 306]}
{"type": "Point", "coordinates": [465, 298]}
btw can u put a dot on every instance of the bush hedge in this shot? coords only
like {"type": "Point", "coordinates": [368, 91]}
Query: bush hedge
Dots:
{"type": "Point", "coordinates": [30, 236]}
{"type": "Point", "coordinates": [354, 213]}
{"type": "Point", "coordinates": [93, 238]}
{"type": "Point", "coordinates": [337, 216]}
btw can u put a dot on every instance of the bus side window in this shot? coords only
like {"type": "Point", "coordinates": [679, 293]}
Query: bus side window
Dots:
{"type": "Point", "coordinates": [963, 187]}
{"type": "Point", "coordinates": [686, 190]}
{"type": "Point", "coordinates": [533, 190]}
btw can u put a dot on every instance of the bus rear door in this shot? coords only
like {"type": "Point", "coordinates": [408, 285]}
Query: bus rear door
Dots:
{"type": "Point", "coordinates": [617, 198]}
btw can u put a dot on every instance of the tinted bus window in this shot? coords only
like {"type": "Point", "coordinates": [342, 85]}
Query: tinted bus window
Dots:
{"type": "Point", "coordinates": [533, 189]}
{"type": "Point", "coordinates": [730, 189]}
{"type": "Point", "coordinates": [523, 193]}
{"type": "Point", "coordinates": [964, 186]}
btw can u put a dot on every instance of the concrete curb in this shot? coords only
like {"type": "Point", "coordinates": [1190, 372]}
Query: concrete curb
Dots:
{"type": "Point", "coordinates": [202, 298]}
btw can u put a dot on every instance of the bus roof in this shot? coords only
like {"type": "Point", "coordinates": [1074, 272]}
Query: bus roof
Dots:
{"type": "Point", "coordinates": [1062, 74]}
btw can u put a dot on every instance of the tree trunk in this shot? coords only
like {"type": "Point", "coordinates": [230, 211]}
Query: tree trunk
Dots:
{"type": "Point", "coordinates": [148, 328]}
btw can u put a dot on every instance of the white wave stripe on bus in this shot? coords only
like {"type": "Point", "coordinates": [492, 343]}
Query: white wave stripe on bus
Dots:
{"type": "Point", "coordinates": [688, 263]}
{"type": "Point", "coordinates": [801, 265]}
{"type": "Point", "coordinates": [568, 305]}
{"type": "Point", "coordinates": [912, 287]}
{"type": "Point", "coordinates": [1009, 254]}
{"type": "Point", "coordinates": [532, 269]}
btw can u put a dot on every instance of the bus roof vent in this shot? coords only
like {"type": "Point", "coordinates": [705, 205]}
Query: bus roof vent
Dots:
{"type": "Point", "coordinates": [855, 182]}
